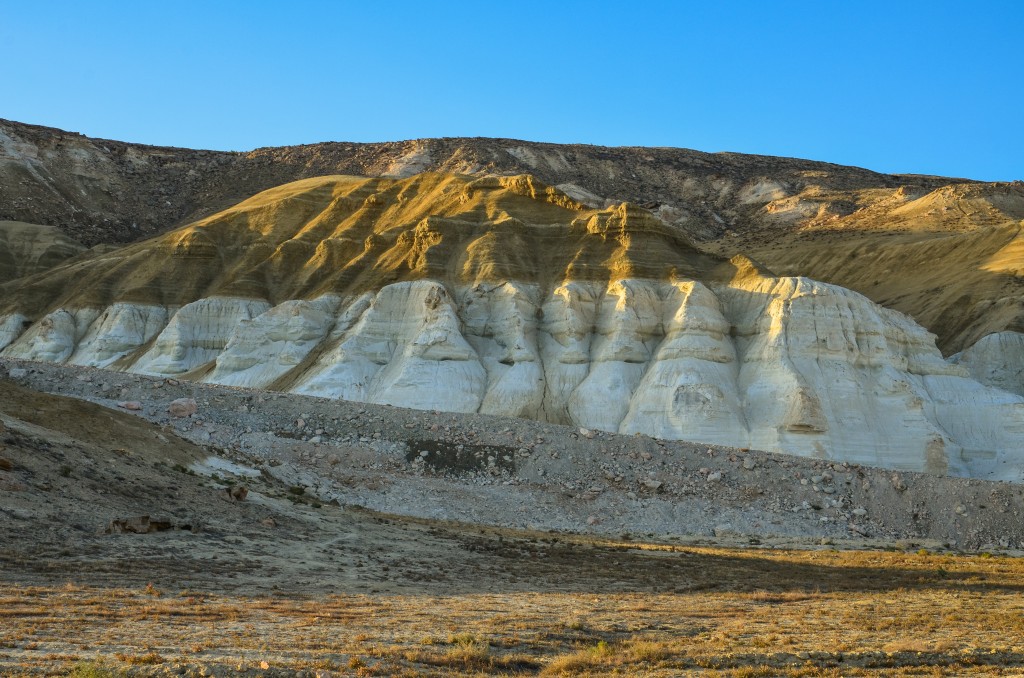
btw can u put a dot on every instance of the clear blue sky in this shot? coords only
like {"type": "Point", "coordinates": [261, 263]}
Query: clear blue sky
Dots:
{"type": "Point", "coordinates": [930, 87]}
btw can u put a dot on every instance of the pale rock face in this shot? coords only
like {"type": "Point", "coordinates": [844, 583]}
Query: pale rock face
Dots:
{"type": "Point", "coordinates": [119, 331]}
{"type": "Point", "coordinates": [407, 349]}
{"type": "Point", "coordinates": [196, 334]}
{"type": "Point", "coordinates": [781, 364]}
{"type": "Point", "coordinates": [568, 316]}
{"type": "Point", "coordinates": [53, 338]}
{"type": "Point", "coordinates": [263, 349]}
{"type": "Point", "coordinates": [996, 360]}
{"type": "Point", "coordinates": [823, 370]}
{"type": "Point", "coordinates": [11, 327]}
{"type": "Point", "coordinates": [692, 382]}
{"type": "Point", "coordinates": [984, 427]}
{"type": "Point", "coordinates": [627, 328]}
{"type": "Point", "coordinates": [501, 325]}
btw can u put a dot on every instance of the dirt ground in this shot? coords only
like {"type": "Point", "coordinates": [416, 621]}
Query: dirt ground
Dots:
{"type": "Point", "coordinates": [289, 581]}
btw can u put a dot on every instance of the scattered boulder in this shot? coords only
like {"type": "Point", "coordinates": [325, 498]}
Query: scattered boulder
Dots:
{"type": "Point", "coordinates": [138, 525]}
{"type": "Point", "coordinates": [132, 405]}
{"type": "Point", "coordinates": [238, 492]}
{"type": "Point", "coordinates": [183, 407]}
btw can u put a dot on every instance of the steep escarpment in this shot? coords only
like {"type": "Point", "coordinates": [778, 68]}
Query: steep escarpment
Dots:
{"type": "Point", "coordinates": [502, 295]}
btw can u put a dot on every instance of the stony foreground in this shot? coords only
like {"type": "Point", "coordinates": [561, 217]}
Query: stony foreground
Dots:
{"type": "Point", "coordinates": [127, 550]}
{"type": "Point", "coordinates": [524, 474]}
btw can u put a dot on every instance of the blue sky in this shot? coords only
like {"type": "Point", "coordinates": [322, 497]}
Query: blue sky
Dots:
{"type": "Point", "coordinates": [927, 87]}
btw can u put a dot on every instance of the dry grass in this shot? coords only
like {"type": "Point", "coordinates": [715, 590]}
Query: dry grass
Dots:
{"type": "Point", "coordinates": [759, 613]}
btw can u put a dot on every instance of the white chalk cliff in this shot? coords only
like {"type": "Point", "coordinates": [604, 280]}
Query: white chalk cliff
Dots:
{"type": "Point", "coordinates": [601, 320]}
{"type": "Point", "coordinates": [782, 364]}
{"type": "Point", "coordinates": [996, 360]}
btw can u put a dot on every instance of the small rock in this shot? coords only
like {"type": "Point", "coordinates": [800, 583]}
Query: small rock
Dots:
{"type": "Point", "coordinates": [316, 439]}
{"type": "Point", "coordinates": [592, 520]}
{"type": "Point", "coordinates": [183, 407]}
{"type": "Point", "coordinates": [725, 530]}
{"type": "Point", "coordinates": [646, 456]}
{"type": "Point", "coordinates": [960, 510]}
{"type": "Point", "coordinates": [749, 463]}
{"type": "Point", "coordinates": [6, 464]}
{"type": "Point", "coordinates": [859, 512]}
{"type": "Point", "coordinates": [238, 493]}
{"type": "Point", "coordinates": [652, 484]}
{"type": "Point", "coordinates": [898, 483]}
{"type": "Point", "coordinates": [714, 477]}
{"type": "Point", "coordinates": [586, 433]}
{"type": "Point", "coordinates": [133, 405]}
{"type": "Point", "coordinates": [17, 373]}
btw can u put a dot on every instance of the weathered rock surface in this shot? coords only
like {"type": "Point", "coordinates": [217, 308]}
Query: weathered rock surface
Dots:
{"type": "Point", "coordinates": [504, 296]}
{"type": "Point", "coordinates": [779, 364]}
{"type": "Point", "coordinates": [996, 360]}
{"type": "Point", "coordinates": [197, 334]}
{"type": "Point", "coordinates": [945, 251]}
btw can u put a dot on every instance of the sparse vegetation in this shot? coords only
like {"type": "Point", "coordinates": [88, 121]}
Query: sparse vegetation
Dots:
{"type": "Point", "coordinates": [750, 613]}
{"type": "Point", "coordinates": [92, 670]}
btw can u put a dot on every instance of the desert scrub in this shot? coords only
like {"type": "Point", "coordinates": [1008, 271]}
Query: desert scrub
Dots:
{"type": "Point", "coordinates": [93, 670]}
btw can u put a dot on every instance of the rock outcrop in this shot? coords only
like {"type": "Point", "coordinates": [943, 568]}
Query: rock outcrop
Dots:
{"type": "Point", "coordinates": [504, 296]}
{"type": "Point", "coordinates": [945, 251]}
{"type": "Point", "coordinates": [996, 360]}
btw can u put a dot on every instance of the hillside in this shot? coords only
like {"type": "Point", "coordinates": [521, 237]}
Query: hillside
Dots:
{"type": "Point", "coordinates": [100, 190]}
{"type": "Point", "coordinates": [501, 295]}
{"type": "Point", "coordinates": [941, 250]}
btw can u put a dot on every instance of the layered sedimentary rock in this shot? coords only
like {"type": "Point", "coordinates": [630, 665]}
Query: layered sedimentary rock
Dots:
{"type": "Point", "coordinates": [504, 296]}
{"type": "Point", "coordinates": [197, 334]}
{"type": "Point", "coordinates": [996, 360]}
{"type": "Point", "coordinates": [31, 248]}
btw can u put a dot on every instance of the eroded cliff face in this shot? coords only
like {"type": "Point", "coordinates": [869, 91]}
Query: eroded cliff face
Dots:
{"type": "Point", "coordinates": [504, 296]}
{"type": "Point", "coordinates": [945, 251]}
{"type": "Point", "coordinates": [996, 360]}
